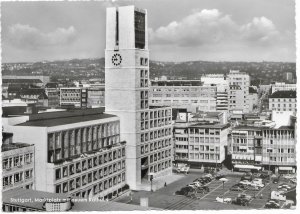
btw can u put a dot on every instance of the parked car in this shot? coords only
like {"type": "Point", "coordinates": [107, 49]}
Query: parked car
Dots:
{"type": "Point", "coordinates": [241, 202]}
{"type": "Point", "coordinates": [236, 188]}
{"type": "Point", "coordinates": [224, 200]}
{"type": "Point", "coordinates": [256, 175]}
{"type": "Point", "coordinates": [253, 188]}
{"type": "Point", "coordinates": [202, 190]}
{"type": "Point", "coordinates": [272, 204]}
{"type": "Point", "coordinates": [185, 191]}
{"type": "Point", "coordinates": [220, 176]}
{"type": "Point", "coordinates": [275, 181]}
{"type": "Point", "coordinates": [245, 182]}
{"type": "Point", "coordinates": [245, 196]}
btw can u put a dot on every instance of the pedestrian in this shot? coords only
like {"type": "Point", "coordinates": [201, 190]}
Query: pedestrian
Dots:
{"type": "Point", "coordinates": [261, 195]}
{"type": "Point", "coordinates": [165, 184]}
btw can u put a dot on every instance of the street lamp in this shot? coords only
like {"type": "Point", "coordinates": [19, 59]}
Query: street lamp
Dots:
{"type": "Point", "coordinates": [223, 180]}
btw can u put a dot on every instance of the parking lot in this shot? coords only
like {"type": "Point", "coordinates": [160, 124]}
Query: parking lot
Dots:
{"type": "Point", "coordinates": [166, 199]}
{"type": "Point", "coordinates": [216, 190]}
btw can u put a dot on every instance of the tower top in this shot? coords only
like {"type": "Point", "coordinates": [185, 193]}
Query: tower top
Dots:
{"type": "Point", "coordinates": [126, 28]}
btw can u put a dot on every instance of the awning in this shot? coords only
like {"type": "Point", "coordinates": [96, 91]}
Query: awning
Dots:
{"type": "Point", "coordinates": [247, 167]}
{"type": "Point", "coordinates": [285, 168]}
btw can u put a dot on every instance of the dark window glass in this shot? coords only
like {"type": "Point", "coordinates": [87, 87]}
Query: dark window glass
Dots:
{"type": "Point", "coordinates": [139, 26]}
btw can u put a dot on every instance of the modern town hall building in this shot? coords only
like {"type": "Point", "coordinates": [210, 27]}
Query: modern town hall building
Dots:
{"type": "Point", "coordinates": [147, 131]}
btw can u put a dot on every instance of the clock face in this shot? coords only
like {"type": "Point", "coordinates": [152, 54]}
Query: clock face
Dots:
{"type": "Point", "coordinates": [116, 59]}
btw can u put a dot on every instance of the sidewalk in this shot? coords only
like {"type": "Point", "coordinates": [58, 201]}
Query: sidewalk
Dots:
{"type": "Point", "coordinates": [159, 182]}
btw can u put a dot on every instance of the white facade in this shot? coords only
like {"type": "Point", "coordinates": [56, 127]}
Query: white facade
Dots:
{"type": "Point", "coordinates": [18, 166]}
{"type": "Point", "coordinates": [281, 86]}
{"type": "Point", "coordinates": [181, 96]}
{"type": "Point", "coordinates": [126, 95]}
{"type": "Point", "coordinates": [240, 99]}
{"type": "Point", "coordinates": [220, 80]}
{"type": "Point", "coordinates": [200, 144]}
{"type": "Point", "coordinates": [82, 158]}
{"type": "Point", "coordinates": [283, 104]}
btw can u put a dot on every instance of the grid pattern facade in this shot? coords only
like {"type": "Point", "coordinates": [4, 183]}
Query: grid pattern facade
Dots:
{"type": "Point", "coordinates": [18, 168]}
{"type": "Point", "coordinates": [283, 104]}
{"type": "Point", "coordinates": [275, 147]}
{"type": "Point", "coordinates": [203, 97]}
{"type": "Point", "coordinates": [200, 144]}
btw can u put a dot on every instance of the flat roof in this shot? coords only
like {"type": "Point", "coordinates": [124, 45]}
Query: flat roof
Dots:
{"type": "Point", "coordinates": [283, 94]}
{"type": "Point", "coordinates": [65, 120]}
{"type": "Point", "coordinates": [210, 125]}
{"type": "Point", "coordinates": [11, 146]}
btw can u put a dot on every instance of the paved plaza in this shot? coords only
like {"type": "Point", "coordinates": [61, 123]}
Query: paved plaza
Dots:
{"type": "Point", "coordinates": [165, 198]}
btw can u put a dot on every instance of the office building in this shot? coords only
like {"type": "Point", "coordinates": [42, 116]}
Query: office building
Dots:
{"type": "Point", "coordinates": [76, 97]}
{"type": "Point", "coordinates": [77, 152]}
{"type": "Point", "coordinates": [201, 144]}
{"type": "Point", "coordinates": [263, 148]}
{"type": "Point", "coordinates": [17, 164]}
{"type": "Point", "coordinates": [238, 93]}
{"type": "Point", "coordinates": [283, 101]}
{"type": "Point", "coordinates": [147, 131]}
{"type": "Point", "coordinates": [188, 94]}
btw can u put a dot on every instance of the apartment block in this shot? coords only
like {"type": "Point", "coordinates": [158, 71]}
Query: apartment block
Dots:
{"type": "Point", "coordinates": [77, 152]}
{"type": "Point", "coordinates": [17, 164]}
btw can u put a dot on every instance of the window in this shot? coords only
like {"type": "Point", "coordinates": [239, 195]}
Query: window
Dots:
{"type": "Point", "coordinates": [58, 174]}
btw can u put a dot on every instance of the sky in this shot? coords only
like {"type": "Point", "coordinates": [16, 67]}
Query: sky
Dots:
{"type": "Point", "coordinates": [179, 30]}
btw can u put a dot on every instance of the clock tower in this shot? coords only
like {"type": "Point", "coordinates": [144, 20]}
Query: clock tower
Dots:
{"type": "Point", "coordinates": [126, 92]}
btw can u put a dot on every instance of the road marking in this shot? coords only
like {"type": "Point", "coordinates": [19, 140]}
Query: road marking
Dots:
{"type": "Point", "coordinates": [210, 192]}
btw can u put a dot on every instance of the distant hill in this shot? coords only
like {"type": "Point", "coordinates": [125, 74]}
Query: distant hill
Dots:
{"type": "Point", "coordinates": [260, 72]}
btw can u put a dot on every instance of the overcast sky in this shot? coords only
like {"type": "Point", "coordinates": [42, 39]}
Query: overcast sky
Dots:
{"type": "Point", "coordinates": [179, 30]}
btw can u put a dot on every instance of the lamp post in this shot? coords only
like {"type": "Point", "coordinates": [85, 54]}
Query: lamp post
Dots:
{"type": "Point", "coordinates": [223, 181]}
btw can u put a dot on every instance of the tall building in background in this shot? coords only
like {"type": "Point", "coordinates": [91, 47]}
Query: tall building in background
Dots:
{"type": "Point", "coordinates": [147, 131]}
{"type": "Point", "coordinates": [239, 83]}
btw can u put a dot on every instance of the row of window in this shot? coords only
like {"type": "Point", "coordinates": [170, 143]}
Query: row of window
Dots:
{"type": "Point", "coordinates": [17, 177]}
{"type": "Point", "coordinates": [204, 140]}
{"type": "Point", "coordinates": [284, 100]}
{"type": "Point", "coordinates": [90, 163]}
{"type": "Point", "coordinates": [155, 123]}
{"type": "Point", "coordinates": [86, 179]}
{"type": "Point", "coordinates": [74, 151]}
{"type": "Point", "coordinates": [202, 156]}
{"type": "Point", "coordinates": [199, 89]}
{"type": "Point", "coordinates": [284, 109]}
{"type": "Point", "coordinates": [155, 145]}
{"type": "Point", "coordinates": [83, 134]}
{"type": "Point", "coordinates": [161, 166]}
{"type": "Point", "coordinates": [155, 114]}
{"type": "Point", "coordinates": [204, 131]}
{"type": "Point", "coordinates": [204, 148]}
{"type": "Point", "coordinates": [17, 161]}
{"type": "Point", "coordinates": [155, 134]}
{"type": "Point", "coordinates": [160, 155]}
